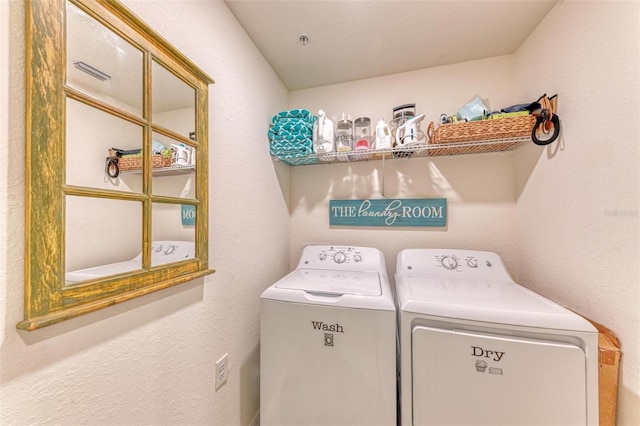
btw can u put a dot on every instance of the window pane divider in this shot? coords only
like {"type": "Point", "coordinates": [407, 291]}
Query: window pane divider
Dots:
{"type": "Point", "coordinates": [156, 128]}
{"type": "Point", "coordinates": [103, 193]}
{"type": "Point", "coordinates": [104, 106]}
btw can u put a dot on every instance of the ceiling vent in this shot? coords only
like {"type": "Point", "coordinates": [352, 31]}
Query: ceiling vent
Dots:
{"type": "Point", "coordinates": [92, 71]}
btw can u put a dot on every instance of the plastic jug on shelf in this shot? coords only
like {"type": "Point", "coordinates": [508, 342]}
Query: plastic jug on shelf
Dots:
{"type": "Point", "coordinates": [383, 135]}
{"type": "Point", "coordinates": [323, 134]}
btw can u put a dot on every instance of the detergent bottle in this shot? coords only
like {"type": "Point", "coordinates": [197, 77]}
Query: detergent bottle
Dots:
{"type": "Point", "coordinates": [383, 135]}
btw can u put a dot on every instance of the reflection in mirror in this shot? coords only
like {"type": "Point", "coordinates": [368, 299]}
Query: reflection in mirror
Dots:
{"type": "Point", "coordinates": [102, 64]}
{"type": "Point", "coordinates": [173, 101]}
{"type": "Point", "coordinates": [173, 224]}
{"type": "Point", "coordinates": [103, 237]}
{"type": "Point", "coordinates": [91, 133]}
{"type": "Point", "coordinates": [169, 251]}
{"type": "Point", "coordinates": [179, 181]}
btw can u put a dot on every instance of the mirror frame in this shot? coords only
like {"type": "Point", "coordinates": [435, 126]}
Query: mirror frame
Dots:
{"type": "Point", "coordinates": [46, 298]}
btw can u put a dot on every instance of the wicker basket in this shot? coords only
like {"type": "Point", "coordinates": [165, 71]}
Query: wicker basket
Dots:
{"type": "Point", "coordinates": [135, 163]}
{"type": "Point", "coordinates": [489, 135]}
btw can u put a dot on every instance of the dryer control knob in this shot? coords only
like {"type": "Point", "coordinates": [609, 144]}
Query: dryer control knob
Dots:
{"type": "Point", "coordinates": [473, 262]}
{"type": "Point", "coordinates": [449, 262]}
{"type": "Point", "coordinates": [322, 255]}
{"type": "Point", "coordinates": [339, 257]}
{"type": "Point", "coordinates": [357, 258]}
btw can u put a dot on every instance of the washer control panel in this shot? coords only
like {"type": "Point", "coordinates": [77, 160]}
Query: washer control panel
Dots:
{"type": "Point", "coordinates": [452, 263]}
{"type": "Point", "coordinates": [449, 262]}
{"type": "Point", "coordinates": [342, 257]}
{"type": "Point", "coordinates": [339, 254]}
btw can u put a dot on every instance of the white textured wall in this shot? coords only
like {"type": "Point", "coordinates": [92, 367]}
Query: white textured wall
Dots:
{"type": "Point", "coordinates": [151, 360]}
{"type": "Point", "coordinates": [578, 201]}
{"type": "Point", "coordinates": [479, 188]}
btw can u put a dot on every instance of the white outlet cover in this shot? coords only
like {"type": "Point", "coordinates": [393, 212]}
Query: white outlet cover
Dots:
{"type": "Point", "coordinates": [222, 370]}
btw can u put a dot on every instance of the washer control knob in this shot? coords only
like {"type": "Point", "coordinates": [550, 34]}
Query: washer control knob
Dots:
{"type": "Point", "coordinates": [339, 257]}
{"type": "Point", "coordinates": [472, 262]}
{"type": "Point", "coordinates": [357, 257]}
{"type": "Point", "coordinates": [449, 262]}
{"type": "Point", "coordinates": [322, 255]}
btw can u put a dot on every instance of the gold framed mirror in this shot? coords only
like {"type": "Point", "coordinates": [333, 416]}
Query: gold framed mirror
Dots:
{"type": "Point", "coordinates": [117, 159]}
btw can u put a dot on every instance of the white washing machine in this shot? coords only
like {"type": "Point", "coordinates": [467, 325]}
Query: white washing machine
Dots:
{"type": "Point", "coordinates": [328, 341]}
{"type": "Point", "coordinates": [479, 349]}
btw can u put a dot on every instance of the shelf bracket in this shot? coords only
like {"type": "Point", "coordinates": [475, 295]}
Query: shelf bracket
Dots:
{"type": "Point", "coordinates": [382, 178]}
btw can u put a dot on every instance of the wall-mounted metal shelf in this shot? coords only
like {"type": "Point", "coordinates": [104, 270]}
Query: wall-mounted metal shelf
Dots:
{"type": "Point", "coordinates": [410, 151]}
{"type": "Point", "coordinates": [172, 170]}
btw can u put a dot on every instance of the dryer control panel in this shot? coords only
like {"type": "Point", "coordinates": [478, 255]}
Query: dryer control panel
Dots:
{"type": "Point", "coordinates": [459, 264]}
{"type": "Point", "coordinates": [347, 258]}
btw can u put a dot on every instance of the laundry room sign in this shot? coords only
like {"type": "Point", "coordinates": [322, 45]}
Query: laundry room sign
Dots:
{"type": "Point", "coordinates": [188, 214]}
{"type": "Point", "coordinates": [389, 212]}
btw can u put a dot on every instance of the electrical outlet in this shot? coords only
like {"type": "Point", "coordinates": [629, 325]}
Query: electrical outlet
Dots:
{"type": "Point", "coordinates": [222, 370]}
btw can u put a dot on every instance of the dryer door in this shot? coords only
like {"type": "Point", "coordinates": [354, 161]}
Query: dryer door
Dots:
{"type": "Point", "coordinates": [464, 378]}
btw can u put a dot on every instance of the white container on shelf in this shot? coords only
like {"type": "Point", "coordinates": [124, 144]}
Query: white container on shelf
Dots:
{"type": "Point", "coordinates": [323, 134]}
{"type": "Point", "coordinates": [383, 135]}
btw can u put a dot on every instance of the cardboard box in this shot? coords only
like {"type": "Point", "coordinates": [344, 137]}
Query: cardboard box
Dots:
{"type": "Point", "coordinates": [609, 354]}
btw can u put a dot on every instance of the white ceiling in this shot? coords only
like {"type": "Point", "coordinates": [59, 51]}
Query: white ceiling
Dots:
{"type": "Point", "coordinates": [352, 40]}
{"type": "Point", "coordinates": [90, 42]}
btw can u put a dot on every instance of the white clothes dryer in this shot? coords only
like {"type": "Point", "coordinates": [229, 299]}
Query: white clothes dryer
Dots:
{"type": "Point", "coordinates": [328, 341]}
{"type": "Point", "coordinates": [478, 349]}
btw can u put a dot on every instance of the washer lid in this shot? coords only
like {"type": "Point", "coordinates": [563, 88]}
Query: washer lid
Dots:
{"type": "Point", "coordinates": [328, 282]}
{"type": "Point", "coordinates": [501, 302]}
